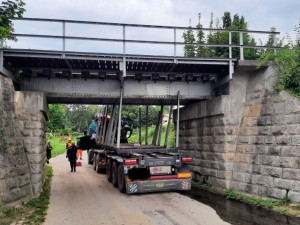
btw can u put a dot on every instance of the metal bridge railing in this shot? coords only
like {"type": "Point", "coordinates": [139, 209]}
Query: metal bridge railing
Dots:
{"type": "Point", "coordinates": [125, 41]}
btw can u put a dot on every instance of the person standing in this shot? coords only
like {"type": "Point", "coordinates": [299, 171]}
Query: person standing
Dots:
{"type": "Point", "coordinates": [79, 154]}
{"type": "Point", "coordinates": [72, 154]}
{"type": "Point", "coordinates": [48, 151]}
{"type": "Point", "coordinates": [69, 143]}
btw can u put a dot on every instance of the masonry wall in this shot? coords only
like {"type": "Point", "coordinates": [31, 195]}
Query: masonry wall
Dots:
{"type": "Point", "coordinates": [21, 144]}
{"type": "Point", "coordinates": [248, 140]}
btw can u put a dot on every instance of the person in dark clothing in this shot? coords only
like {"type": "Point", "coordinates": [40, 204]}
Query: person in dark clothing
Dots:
{"type": "Point", "coordinates": [72, 154]}
{"type": "Point", "coordinates": [48, 151]}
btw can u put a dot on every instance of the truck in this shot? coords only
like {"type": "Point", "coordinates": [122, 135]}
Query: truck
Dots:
{"type": "Point", "coordinates": [136, 167]}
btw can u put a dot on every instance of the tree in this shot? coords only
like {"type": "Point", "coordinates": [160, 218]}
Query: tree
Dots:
{"type": "Point", "coordinates": [219, 37]}
{"type": "Point", "coordinates": [188, 37]}
{"type": "Point", "coordinates": [131, 115]}
{"type": "Point", "coordinates": [8, 11]}
{"type": "Point", "coordinates": [201, 51]}
{"type": "Point", "coordinates": [210, 38]}
{"type": "Point", "coordinates": [57, 118]}
{"type": "Point", "coordinates": [79, 117]}
{"type": "Point", "coordinates": [226, 20]}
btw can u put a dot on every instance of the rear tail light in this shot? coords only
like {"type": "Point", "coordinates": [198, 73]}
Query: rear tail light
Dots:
{"type": "Point", "coordinates": [130, 162]}
{"type": "Point", "coordinates": [186, 160]}
{"type": "Point", "coordinates": [184, 175]}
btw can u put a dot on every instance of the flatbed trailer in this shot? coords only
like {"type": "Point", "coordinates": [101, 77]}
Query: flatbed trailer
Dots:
{"type": "Point", "coordinates": [137, 168]}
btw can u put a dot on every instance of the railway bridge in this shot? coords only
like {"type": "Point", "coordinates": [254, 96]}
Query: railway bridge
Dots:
{"type": "Point", "coordinates": [235, 128]}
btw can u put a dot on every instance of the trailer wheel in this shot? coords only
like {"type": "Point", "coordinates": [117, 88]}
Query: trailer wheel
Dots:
{"type": "Point", "coordinates": [108, 170]}
{"type": "Point", "coordinates": [121, 178]}
{"type": "Point", "coordinates": [115, 174]}
{"type": "Point", "coordinates": [94, 161]}
{"type": "Point", "coordinates": [97, 164]}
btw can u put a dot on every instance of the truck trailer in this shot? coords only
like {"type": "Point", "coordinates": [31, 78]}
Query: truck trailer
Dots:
{"type": "Point", "coordinates": [138, 167]}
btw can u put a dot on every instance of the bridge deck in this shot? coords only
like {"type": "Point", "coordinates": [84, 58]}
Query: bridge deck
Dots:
{"type": "Point", "coordinates": [92, 78]}
{"type": "Point", "coordinates": [67, 76]}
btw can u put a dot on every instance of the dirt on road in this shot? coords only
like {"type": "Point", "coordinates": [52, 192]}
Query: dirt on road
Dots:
{"type": "Point", "coordinates": [87, 198]}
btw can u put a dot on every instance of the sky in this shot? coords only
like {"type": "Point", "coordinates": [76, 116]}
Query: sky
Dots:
{"type": "Point", "coordinates": [260, 15]}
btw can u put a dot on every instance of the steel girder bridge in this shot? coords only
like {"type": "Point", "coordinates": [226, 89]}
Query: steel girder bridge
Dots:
{"type": "Point", "coordinates": [101, 78]}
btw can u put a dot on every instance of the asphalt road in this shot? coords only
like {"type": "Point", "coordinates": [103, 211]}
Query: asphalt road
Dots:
{"type": "Point", "coordinates": [87, 198]}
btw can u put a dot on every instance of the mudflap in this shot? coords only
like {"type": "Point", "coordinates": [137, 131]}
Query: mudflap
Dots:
{"type": "Point", "coordinates": [158, 185]}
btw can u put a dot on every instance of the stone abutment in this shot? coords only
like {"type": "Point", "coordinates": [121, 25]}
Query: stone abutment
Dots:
{"type": "Point", "coordinates": [22, 144]}
{"type": "Point", "coordinates": [248, 140]}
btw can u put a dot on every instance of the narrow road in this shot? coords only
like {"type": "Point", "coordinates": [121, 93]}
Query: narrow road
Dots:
{"type": "Point", "coordinates": [87, 198]}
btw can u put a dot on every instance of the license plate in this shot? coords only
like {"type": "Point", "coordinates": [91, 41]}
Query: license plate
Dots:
{"type": "Point", "coordinates": [160, 170]}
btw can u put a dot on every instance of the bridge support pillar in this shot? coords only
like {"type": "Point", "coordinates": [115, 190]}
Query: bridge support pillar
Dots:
{"type": "Point", "coordinates": [32, 111]}
{"type": "Point", "coordinates": [248, 140]}
{"type": "Point", "coordinates": [22, 139]}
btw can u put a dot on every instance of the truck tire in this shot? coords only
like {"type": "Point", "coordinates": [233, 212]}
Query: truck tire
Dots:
{"type": "Point", "coordinates": [121, 179]}
{"type": "Point", "coordinates": [115, 174]}
{"type": "Point", "coordinates": [108, 170]}
{"type": "Point", "coordinates": [97, 164]}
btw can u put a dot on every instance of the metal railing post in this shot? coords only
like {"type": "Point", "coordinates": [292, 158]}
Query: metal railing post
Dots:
{"type": "Point", "coordinates": [120, 117]}
{"type": "Point", "coordinates": [230, 42]}
{"type": "Point", "coordinates": [140, 125]}
{"type": "Point", "coordinates": [64, 35]}
{"type": "Point", "coordinates": [146, 135]}
{"type": "Point", "coordinates": [124, 51]}
{"type": "Point", "coordinates": [175, 53]}
{"type": "Point", "coordinates": [160, 125]}
{"type": "Point", "coordinates": [241, 48]}
{"type": "Point", "coordinates": [177, 121]}
{"type": "Point", "coordinates": [168, 127]}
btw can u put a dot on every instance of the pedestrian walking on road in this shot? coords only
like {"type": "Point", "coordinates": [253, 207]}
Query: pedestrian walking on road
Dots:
{"type": "Point", "coordinates": [72, 154]}
{"type": "Point", "coordinates": [48, 151]}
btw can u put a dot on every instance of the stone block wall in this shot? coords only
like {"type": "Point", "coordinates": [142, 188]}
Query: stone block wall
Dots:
{"type": "Point", "coordinates": [15, 184]}
{"type": "Point", "coordinates": [269, 146]}
{"type": "Point", "coordinates": [248, 140]}
{"type": "Point", "coordinates": [22, 141]}
{"type": "Point", "coordinates": [209, 138]}
{"type": "Point", "coordinates": [31, 111]}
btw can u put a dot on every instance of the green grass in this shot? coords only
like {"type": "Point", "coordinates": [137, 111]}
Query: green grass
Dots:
{"type": "Point", "coordinates": [281, 206]}
{"type": "Point", "coordinates": [296, 207]}
{"type": "Point", "coordinates": [34, 211]}
{"type": "Point", "coordinates": [202, 185]}
{"type": "Point", "coordinates": [267, 203]}
{"type": "Point", "coordinates": [171, 138]}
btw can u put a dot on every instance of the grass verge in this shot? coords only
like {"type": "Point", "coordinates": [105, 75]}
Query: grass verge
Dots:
{"type": "Point", "coordinates": [32, 212]}
{"type": "Point", "coordinates": [282, 206]}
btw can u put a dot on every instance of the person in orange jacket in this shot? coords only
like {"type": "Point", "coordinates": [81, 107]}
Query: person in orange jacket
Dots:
{"type": "Point", "coordinates": [79, 154]}
{"type": "Point", "coordinates": [69, 143]}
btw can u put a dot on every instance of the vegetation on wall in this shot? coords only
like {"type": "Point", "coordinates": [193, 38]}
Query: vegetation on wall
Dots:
{"type": "Point", "coordinates": [287, 62]}
{"type": "Point", "coordinates": [2, 133]}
